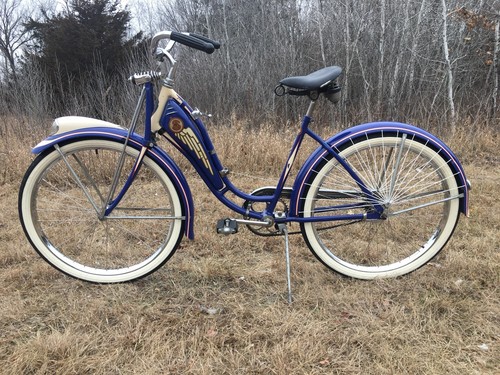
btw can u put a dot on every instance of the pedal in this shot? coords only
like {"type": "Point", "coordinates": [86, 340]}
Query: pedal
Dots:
{"type": "Point", "coordinates": [227, 226]}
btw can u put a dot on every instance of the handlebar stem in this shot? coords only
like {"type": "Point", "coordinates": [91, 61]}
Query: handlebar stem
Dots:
{"type": "Point", "coordinates": [156, 39]}
{"type": "Point", "coordinates": [161, 53]}
{"type": "Point", "coordinates": [169, 80]}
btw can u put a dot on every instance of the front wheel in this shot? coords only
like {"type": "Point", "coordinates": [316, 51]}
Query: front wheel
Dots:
{"type": "Point", "coordinates": [60, 206]}
{"type": "Point", "coordinates": [409, 179]}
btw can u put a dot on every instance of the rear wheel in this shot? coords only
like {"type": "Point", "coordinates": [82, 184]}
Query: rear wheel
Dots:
{"type": "Point", "coordinates": [409, 179]}
{"type": "Point", "coordinates": [62, 195]}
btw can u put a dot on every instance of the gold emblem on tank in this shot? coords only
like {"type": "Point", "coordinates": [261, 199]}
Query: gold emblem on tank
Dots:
{"type": "Point", "coordinates": [187, 136]}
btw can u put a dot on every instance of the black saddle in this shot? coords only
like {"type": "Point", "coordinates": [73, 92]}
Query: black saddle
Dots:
{"type": "Point", "coordinates": [314, 81]}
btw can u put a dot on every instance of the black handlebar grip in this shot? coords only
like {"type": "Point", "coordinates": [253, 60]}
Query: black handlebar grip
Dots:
{"type": "Point", "coordinates": [215, 43]}
{"type": "Point", "coordinates": [192, 42]}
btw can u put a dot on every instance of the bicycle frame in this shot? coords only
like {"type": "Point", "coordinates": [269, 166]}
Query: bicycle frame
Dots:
{"type": "Point", "coordinates": [187, 133]}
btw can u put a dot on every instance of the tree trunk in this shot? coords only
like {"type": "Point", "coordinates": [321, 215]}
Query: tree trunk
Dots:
{"type": "Point", "coordinates": [496, 68]}
{"type": "Point", "coordinates": [381, 62]}
{"type": "Point", "coordinates": [320, 32]}
{"type": "Point", "coordinates": [348, 59]}
{"type": "Point", "coordinates": [448, 67]}
{"type": "Point", "coordinates": [395, 80]}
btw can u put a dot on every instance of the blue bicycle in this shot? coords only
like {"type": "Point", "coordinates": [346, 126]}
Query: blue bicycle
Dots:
{"type": "Point", "coordinates": [105, 204]}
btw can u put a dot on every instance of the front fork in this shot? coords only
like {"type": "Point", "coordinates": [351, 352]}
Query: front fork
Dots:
{"type": "Point", "coordinates": [106, 210]}
{"type": "Point", "coordinates": [111, 203]}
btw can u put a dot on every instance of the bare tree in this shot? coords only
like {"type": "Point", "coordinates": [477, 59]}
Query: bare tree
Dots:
{"type": "Point", "coordinates": [320, 21]}
{"type": "Point", "coordinates": [398, 56]}
{"type": "Point", "coordinates": [12, 34]}
{"type": "Point", "coordinates": [381, 51]}
{"type": "Point", "coordinates": [448, 66]}
{"type": "Point", "coordinates": [496, 67]}
{"type": "Point", "coordinates": [414, 47]}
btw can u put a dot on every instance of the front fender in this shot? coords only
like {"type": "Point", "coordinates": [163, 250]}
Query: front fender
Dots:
{"type": "Point", "coordinates": [341, 139]}
{"type": "Point", "coordinates": [75, 128]}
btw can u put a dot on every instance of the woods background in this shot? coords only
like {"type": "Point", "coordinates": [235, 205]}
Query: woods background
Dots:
{"type": "Point", "coordinates": [434, 63]}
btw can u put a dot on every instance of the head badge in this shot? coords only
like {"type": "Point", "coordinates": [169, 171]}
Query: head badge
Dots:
{"type": "Point", "coordinates": [176, 125]}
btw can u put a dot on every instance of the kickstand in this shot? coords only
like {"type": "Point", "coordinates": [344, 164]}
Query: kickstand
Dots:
{"type": "Point", "coordinates": [283, 229]}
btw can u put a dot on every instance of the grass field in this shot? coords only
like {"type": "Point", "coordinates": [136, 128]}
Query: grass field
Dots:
{"type": "Point", "coordinates": [219, 305]}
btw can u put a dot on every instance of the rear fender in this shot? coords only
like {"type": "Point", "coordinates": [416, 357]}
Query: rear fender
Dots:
{"type": "Point", "coordinates": [341, 139]}
{"type": "Point", "coordinates": [78, 128]}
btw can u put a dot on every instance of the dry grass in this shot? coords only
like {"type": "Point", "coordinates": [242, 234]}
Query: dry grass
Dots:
{"type": "Point", "coordinates": [219, 307]}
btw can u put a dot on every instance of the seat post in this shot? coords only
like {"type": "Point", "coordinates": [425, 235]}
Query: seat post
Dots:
{"type": "Point", "coordinates": [310, 110]}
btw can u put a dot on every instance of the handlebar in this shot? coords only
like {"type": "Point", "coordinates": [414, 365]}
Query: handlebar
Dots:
{"type": "Point", "coordinates": [192, 40]}
{"type": "Point", "coordinates": [163, 56]}
{"type": "Point", "coordinates": [215, 43]}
